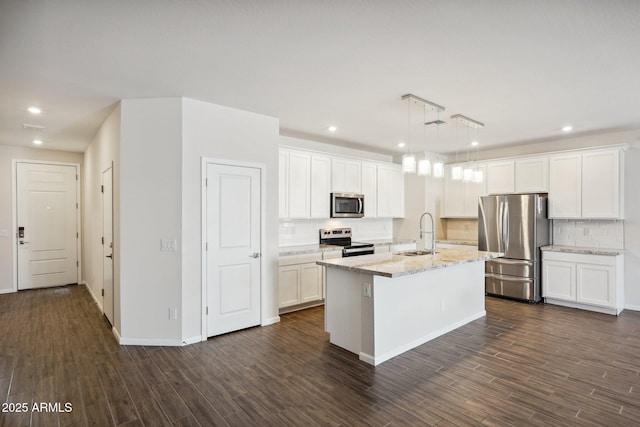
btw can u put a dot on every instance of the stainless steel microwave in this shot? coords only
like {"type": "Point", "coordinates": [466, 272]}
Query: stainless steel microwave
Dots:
{"type": "Point", "coordinates": [347, 205]}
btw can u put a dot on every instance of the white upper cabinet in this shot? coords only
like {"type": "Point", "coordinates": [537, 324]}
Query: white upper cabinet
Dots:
{"type": "Point", "coordinates": [307, 178]}
{"type": "Point", "coordinates": [587, 185]}
{"type": "Point", "coordinates": [565, 186]}
{"type": "Point", "coordinates": [460, 199]}
{"type": "Point", "coordinates": [500, 177]}
{"type": "Point", "coordinates": [602, 190]}
{"type": "Point", "coordinates": [531, 175]}
{"type": "Point", "coordinates": [390, 190]}
{"type": "Point", "coordinates": [320, 185]}
{"type": "Point", "coordinates": [299, 185]}
{"type": "Point", "coordinates": [345, 175]}
{"type": "Point", "coordinates": [283, 184]}
{"type": "Point", "coordinates": [369, 189]}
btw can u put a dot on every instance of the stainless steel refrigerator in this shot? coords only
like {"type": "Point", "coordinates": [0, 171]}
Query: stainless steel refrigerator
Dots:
{"type": "Point", "coordinates": [517, 225]}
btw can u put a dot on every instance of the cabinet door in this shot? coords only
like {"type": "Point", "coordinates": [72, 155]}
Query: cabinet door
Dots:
{"type": "Point", "coordinates": [288, 284]}
{"type": "Point", "coordinates": [369, 190]}
{"type": "Point", "coordinates": [601, 185]}
{"type": "Point", "coordinates": [283, 184]}
{"type": "Point", "coordinates": [452, 196]}
{"type": "Point", "coordinates": [384, 188]}
{"type": "Point", "coordinates": [320, 186]}
{"type": "Point", "coordinates": [472, 192]}
{"type": "Point", "coordinates": [532, 175]}
{"type": "Point", "coordinates": [500, 177]}
{"type": "Point", "coordinates": [596, 285]}
{"type": "Point", "coordinates": [310, 282]}
{"type": "Point", "coordinates": [559, 280]}
{"type": "Point", "coordinates": [299, 185]}
{"type": "Point", "coordinates": [345, 176]}
{"type": "Point", "coordinates": [397, 192]}
{"type": "Point", "coordinates": [565, 186]}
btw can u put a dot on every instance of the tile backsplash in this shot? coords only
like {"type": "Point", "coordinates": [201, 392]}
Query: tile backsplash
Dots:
{"type": "Point", "coordinates": [589, 233]}
{"type": "Point", "coordinates": [305, 232]}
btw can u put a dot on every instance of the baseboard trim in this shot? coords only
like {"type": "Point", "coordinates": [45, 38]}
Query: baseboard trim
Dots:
{"type": "Point", "coordinates": [93, 296]}
{"type": "Point", "coordinates": [151, 342]}
{"type": "Point", "coordinates": [6, 291]}
{"type": "Point", "coordinates": [270, 321]}
{"type": "Point", "coordinates": [632, 307]}
{"type": "Point", "coordinates": [192, 340]}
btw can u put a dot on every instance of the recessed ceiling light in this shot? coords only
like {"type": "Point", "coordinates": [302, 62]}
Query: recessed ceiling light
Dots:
{"type": "Point", "coordinates": [37, 142]}
{"type": "Point", "coordinates": [474, 143]}
{"type": "Point", "coordinates": [332, 128]}
{"type": "Point", "coordinates": [567, 129]}
{"type": "Point", "coordinates": [400, 144]}
{"type": "Point", "coordinates": [34, 110]}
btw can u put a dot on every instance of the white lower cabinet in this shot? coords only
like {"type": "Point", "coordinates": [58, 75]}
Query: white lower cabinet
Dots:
{"type": "Point", "coordinates": [590, 282]}
{"type": "Point", "coordinates": [300, 279]}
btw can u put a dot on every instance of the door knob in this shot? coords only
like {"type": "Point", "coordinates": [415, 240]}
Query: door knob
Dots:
{"type": "Point", "coordinates": [255, 255]}
{"type": "Point", "coordinates": [22, 242]}
{"type": "Point", "coordinates": [109, 256]}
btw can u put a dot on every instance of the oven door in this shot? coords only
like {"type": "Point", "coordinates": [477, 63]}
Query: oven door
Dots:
{"type": "Point", "coordinates": [347, 205]}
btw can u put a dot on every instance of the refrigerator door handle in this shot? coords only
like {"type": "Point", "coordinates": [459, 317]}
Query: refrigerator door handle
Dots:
{"type": "Point", "coordinates": [505, 225]}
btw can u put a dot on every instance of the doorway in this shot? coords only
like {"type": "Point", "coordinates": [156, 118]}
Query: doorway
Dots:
{"type": "Point", "coordinates": [232, 227]}
{"type": "Point", "coordinates": [107, 244]}
{"type": "Point", "coordinates": [47, 211]}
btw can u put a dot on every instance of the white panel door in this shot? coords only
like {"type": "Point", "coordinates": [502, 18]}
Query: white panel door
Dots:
{"type": "Point", "coordinates": [559, 280]}
{"type": "Point", "coordinates": [233, 255]}
{"type": "Point", "coordinates": [369, 189]}
{"type": "Point", "coordinates": [500, 177]}
{"type": "Point", "coordinates": [47, 219]}
{"type": "Point", "coordinates": [595, 284]}
{"type": "Point", "coordinates": [565, 186]}
{"type": "Point", "coordinates": [107, 244]}
{"type": "Point", "coordinates": [601, 185]}
{"type": "Point", "coordinates": [320, 186]}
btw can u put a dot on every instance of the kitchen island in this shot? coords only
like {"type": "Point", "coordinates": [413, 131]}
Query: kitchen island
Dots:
{"type": "Point", "coordinates": [379, 306]}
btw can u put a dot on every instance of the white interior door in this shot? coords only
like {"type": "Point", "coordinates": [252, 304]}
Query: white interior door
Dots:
{"type": "Point", "coordinates": [233, 255]}
{"type": "Point", "coordinates": [107, 244]}
{"type": "Point", "coordinates": [47, 225]}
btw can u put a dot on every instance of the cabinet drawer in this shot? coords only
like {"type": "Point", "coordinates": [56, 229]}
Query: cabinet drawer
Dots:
{"type": "Point", "coordinates": [299, 259]}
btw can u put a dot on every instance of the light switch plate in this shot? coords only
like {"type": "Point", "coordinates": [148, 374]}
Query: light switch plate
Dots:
{"type": "Point", "coordinates": [168, 245]}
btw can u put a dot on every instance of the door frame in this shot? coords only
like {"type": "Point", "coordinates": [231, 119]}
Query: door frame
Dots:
{"type": "Point", "coordinates": [203, 233]}
{"type": "Point", "coordinates": [14, 213]}
{"type": "Point", "coordinates": [113, 301]}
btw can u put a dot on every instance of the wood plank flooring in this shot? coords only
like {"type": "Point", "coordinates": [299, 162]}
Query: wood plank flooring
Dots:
{"type": "Point", "coordinates": [521, 365]}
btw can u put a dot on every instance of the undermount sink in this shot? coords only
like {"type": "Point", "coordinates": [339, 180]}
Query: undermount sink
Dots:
{"type": "Point", "coordinates": [414, 253]}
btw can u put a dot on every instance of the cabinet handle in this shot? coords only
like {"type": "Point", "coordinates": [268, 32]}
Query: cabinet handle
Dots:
{"type": "Point", "coordinates": [255, 255]}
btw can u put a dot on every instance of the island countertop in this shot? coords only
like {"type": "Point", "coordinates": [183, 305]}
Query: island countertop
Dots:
{"type": "Point", "coordinates": [392, 265]}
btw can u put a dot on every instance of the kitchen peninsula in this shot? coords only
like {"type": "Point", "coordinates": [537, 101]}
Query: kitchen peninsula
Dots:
{"type": "Point", "coordinates": [379, 306]}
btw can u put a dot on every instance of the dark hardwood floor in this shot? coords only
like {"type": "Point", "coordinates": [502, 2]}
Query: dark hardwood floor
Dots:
{"type": "Point", "coordinates": [521, 365]}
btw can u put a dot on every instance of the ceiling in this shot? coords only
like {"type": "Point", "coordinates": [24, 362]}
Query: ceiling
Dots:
{"type": "Point", "coordinates": [524, 68]}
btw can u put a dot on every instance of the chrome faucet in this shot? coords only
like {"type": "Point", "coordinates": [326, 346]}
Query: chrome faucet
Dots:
{"type": "Point", "coordinates": [433, 232]}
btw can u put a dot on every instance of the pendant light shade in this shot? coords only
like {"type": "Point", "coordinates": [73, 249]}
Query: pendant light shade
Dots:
{"type": "Point", "coordinates": [424, 167]}
{"type": "Point", "coordinates": [478, 176]}
{"type": "Point", "coordinates": [456, 173]}
{"type": "Point", "coordinates": [438, 169]}
{"type": "Point", "coordinates": [467, 175]}
{"type": "Point", "coordinates": [409, 163]}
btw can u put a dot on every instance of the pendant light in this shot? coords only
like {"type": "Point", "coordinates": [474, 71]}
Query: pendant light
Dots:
{"type": "Point", "coordinates": [424, 165]}
{"type": "Point", "coordinates": [409, 162]}
{"type": "Point", "coordinates": [456, 171]}
{"type": "Point", "coordinates": [469, 174]}
{"type": "Point", "coordinates": [438, 165]}
{"type": "Point", "coordinates": [478, 175]}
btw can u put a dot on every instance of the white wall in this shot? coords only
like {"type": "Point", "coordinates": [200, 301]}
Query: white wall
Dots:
{"type": "Point", "coordinates": [632, 228]}
{"type": "Point", "coordinates": [101, 153]}
{"type": "Point", "coordinates": [213, 131]}
{"type": "Point", "coordinates": [150, 210]}
{"type": "Point", "coordinates": [7, 155]}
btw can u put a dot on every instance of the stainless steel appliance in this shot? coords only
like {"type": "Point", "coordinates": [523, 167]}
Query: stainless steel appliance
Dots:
{"type": "Point", "coordinates": [342, 237]}
{"type": "Point", "coordinates": [517, 225]}
{"type": "Point", "coordinates": [347, 205]}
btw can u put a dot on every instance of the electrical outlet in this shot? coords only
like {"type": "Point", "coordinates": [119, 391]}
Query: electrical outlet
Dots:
{"type": "Point", "coordinates": [366, 290]}
{"type": "Point", "coordinates": [173, 313]}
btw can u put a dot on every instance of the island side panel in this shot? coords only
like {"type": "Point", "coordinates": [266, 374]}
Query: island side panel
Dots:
{"type": "Point", "coordinates": [411, 310]}
{"type": "Point", "coordinates": [343, 311]}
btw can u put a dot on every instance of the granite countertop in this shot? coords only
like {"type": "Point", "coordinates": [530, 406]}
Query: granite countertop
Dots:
{"type": "Point", "coordinates": [384, 242]}
{"type": "Point", "coordinates": [391, 265]}
{"type": "Point", "coordinates": [582, 250]}
{"type": "Point", "coordinates": [307, 249]}
{"type": "Point", "coordinates": [459, 242]}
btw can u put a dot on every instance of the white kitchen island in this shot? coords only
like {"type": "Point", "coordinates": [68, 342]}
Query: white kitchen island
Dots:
{"type": "Point", "coordinates": [379, 306]}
